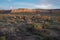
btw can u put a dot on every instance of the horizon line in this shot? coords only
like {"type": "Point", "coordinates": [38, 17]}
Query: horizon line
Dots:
{"type": "Point", "coordinates": [32, 8]}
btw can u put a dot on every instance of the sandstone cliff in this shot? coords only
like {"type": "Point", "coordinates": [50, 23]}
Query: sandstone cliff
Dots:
{"type": "Point", "coordinates": [23, 10]}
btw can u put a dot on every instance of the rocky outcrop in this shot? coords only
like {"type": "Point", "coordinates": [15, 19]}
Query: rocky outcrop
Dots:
{"type": "Point", "coordinates": [36, 11]}
{"type": "Point", "coordinates": [23, 10]}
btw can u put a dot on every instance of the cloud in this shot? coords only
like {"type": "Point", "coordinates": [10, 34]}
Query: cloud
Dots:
{"type": "Point", "coordinates": [42, 6]}
{"type": "Point", "coordinates": [4, 7]}
{"type": "Point", "coordinates": [17, 5]}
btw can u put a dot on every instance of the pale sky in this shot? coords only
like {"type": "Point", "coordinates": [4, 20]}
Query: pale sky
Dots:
{"type": "Point", "coordinates": [31, 4]}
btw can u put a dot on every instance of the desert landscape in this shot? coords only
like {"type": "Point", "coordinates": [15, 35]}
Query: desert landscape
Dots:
{"type": "Point", "coordinates": [30, 24]}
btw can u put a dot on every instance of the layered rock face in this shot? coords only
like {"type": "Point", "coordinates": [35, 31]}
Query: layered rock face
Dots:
{"type": "Point", "coordinates": [23, 10]}
{"type": "Point", "coordinates": [36, 10]}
